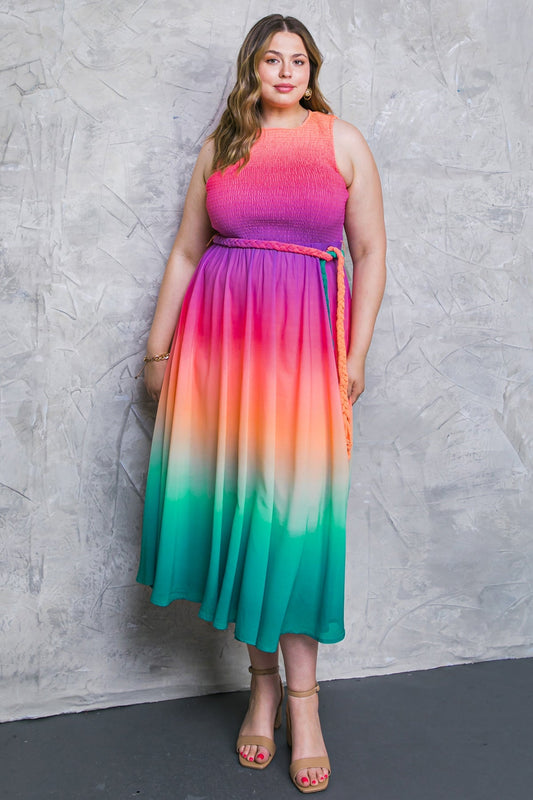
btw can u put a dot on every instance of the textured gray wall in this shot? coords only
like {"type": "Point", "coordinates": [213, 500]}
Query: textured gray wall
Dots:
{"type": "Point", "coordinates": [104, 107]}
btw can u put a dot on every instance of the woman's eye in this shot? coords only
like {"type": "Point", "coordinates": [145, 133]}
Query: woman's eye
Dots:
{"type": "Point", "coordinates": [299, 62]}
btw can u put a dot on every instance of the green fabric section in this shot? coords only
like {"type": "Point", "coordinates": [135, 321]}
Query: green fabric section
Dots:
{"type": "Point", "coordinates": [325, 282]}
{"type": "Point", "coordinates": [244, 563]}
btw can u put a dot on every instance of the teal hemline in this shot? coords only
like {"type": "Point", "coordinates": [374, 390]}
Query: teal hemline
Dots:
{"type": "Point", "coordinates": [205, 618]}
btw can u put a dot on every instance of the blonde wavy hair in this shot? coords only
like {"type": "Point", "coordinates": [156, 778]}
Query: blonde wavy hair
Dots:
{"type": "Point", "coordinates": [240, 124]}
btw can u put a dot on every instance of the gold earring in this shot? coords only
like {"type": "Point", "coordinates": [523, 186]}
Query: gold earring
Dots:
{"type": "Point", "coordinates": [308, 92]}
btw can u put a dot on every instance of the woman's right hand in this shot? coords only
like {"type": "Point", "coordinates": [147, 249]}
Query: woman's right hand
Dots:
{"type": "Point", "coordinates": [154, 372]}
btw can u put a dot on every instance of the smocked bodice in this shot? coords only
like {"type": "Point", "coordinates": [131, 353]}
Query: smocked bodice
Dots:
{"type": "Point", "coordinates": [290, 191]}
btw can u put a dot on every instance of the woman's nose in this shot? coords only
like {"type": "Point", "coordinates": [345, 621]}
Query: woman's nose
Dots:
{"type": "Point", "coordinates": [285, 70]}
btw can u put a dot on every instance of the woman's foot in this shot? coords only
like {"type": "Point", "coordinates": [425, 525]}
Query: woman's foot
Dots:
{"type": "Point", "coordinates": [265, 699]}
{"type": "Point", "coordinates": [307, 739]}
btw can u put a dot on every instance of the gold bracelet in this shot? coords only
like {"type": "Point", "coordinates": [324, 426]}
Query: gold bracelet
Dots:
{"type": "Point", "coordinates": [147, 359]}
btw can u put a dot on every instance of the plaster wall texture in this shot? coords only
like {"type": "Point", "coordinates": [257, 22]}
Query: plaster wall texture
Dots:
{"type": "Point", "coordinates": [103, 109]}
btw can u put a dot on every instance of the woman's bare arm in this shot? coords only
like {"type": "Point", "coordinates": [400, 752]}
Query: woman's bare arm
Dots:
{"type": "Point", "coordinates": [191, 240]}
{"type": "Point", "coordinates": [365, 232]}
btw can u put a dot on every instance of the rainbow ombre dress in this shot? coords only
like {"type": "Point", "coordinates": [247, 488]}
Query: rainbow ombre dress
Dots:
{"type": "Point", "coordinates": [247, 487]}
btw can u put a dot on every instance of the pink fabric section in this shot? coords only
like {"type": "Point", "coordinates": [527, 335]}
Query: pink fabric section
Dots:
{"type": "Point", "coordinates": [291, 190]}
{"type": "Point", "coordinates": [323, 255]}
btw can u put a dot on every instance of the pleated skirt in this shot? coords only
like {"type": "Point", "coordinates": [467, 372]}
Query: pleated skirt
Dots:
{"type": "Point", "coordinates": [247, 486]}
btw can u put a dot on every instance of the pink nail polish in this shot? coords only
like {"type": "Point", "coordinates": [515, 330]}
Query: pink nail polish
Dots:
{"type": "Point", "coordinates": [260, 756]}
{"type": "Point", "coordinates": [250, 758]}
{"type": "Point", "coordinates": [314, 783]}
{"type": "Point", "coordinates": [305, 780]}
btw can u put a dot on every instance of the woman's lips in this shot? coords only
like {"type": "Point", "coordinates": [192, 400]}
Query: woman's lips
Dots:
{"type": "Point", "coordinates": [284, 87]}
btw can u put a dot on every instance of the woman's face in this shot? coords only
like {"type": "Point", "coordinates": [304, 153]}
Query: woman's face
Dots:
{"type": "Point", "coordinates": [284, 71]}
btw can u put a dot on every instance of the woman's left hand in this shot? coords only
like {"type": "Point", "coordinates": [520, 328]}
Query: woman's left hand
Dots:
{"type": "Point", "coordinates": [356, 376]}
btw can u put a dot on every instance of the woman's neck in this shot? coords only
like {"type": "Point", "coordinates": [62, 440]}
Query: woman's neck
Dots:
{"type": "Point", "coordinates": [291, 117]}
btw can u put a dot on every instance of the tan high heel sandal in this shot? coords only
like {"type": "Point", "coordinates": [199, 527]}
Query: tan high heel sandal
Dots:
{"type": "Point", "coordinates": [261, 741]}
{"type": "Point", "coordinates": [300, 764]}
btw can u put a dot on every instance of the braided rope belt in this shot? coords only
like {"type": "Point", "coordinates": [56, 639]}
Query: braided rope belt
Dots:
{"type": "Point", "coordinates": [323, 255]}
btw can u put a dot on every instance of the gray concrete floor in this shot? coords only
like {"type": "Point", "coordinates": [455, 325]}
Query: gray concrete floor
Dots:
{"type": "Point", "coordinates": [454, 733]}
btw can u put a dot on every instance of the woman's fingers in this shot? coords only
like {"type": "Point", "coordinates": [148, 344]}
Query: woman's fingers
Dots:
{"type": "Point", "coordinates": [355, 390]}
{"type": "Point", "coordinates": [356, 377]}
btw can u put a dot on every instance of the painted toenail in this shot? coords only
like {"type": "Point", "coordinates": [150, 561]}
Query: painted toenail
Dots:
{"type": "Point", "coordinates": [305, 780]}
{"type": "Point", "coordinates": [250, 758]}
{"type": "Point", "coordinates": [314, 783]}
{"type": "Point", "coordinates": [260, 756]}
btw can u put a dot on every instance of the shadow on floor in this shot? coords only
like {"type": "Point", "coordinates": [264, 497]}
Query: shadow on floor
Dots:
{"type": "Point", "coordinates": [453, 733]}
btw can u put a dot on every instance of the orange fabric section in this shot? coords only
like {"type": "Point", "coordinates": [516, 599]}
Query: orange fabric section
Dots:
{"type": "Point", "coordinates": [326, 255]}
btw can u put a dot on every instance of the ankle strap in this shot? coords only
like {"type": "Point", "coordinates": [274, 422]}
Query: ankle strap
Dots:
{"type": "Point", "coordinates": [269, 671]}
{"type": "Point", "coordinates": [314, 690]}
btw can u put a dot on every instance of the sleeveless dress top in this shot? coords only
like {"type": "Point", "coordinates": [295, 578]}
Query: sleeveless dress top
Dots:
{"type": "Point", "coordinates": [290, 190]}
{"type": "Point", "coordinates": [245, 509]}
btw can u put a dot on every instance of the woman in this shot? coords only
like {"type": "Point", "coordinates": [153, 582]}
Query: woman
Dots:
{"type": "Point", "coordinates": [248, 480]}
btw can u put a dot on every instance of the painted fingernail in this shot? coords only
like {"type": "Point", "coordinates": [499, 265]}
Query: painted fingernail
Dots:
{"type": "Point", "coordinates": [260, 756]}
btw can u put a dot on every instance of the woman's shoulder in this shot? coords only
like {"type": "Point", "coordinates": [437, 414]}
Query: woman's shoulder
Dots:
{"type": "Point", "coordinates": [351, 149]}
{"type": "Point", "coordinates": [205, 158]}
{"type": "Point", "coordinates": [350, 141]}
{"type": "Point", "coordinates": [347, 134]}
